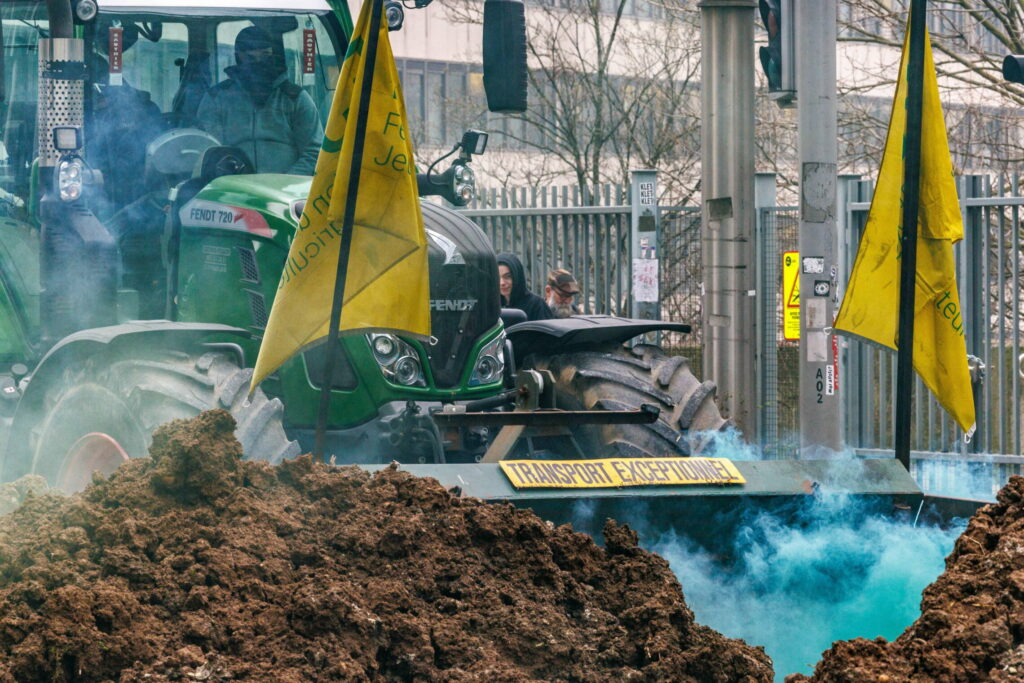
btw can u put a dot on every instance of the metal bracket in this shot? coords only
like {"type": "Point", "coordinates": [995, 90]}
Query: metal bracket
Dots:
{"type": "Point", "coordinates": [647, 414]}
{"type": "Point", "coordinates": [535, 416]}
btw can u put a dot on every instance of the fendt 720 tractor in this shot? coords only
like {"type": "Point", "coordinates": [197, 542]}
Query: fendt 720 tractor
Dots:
{"type": "Point", "coordinates": [139, 259]}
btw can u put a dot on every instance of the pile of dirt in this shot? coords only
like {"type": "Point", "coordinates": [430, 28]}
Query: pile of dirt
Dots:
{"type": "Point", "coordinates": [194, 565]}
{"type": "Point", "coordinates": [971, 627]}
{"type": "Point", "coordinates": [13, 493]}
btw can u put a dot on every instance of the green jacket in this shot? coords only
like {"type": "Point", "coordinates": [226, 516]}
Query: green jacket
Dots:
{"type": "Point", "coordinates": [282, 136]}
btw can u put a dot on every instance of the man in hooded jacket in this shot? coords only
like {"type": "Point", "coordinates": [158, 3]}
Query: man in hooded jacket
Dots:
{"type": "Point", "coordinates": [260, 111]}
{"type": "Point", "coordinates": [514, 294]}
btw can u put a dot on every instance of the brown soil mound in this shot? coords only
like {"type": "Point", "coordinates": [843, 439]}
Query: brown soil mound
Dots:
{"type": "Point", "coordinates": [196, 565]}
{"type": "Point", "coordinates": [971, 627]}
{"type": "Point", "coordinates": [13, 493]}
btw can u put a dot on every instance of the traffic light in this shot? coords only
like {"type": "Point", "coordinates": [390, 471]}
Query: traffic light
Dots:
{"type": "Point", "coordinates": [771, 56]}
{"type": "Point", "coordinates": [777, 57]}
{"type": "Point", "coordinates": [1013, 68]}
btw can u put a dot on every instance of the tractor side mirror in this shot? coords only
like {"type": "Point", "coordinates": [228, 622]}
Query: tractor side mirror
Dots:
{"type": "Point", "coordinates": [505, 55]}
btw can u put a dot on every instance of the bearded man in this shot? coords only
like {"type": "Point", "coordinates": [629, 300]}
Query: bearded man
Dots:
{"type": "Point", "coordinates": [560, 293]}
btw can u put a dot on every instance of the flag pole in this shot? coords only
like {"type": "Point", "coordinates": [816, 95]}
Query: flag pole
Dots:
{"type": "Point", "coordinates": [370, 60]}
{"type": "Point", "coordinates": [908, 239]}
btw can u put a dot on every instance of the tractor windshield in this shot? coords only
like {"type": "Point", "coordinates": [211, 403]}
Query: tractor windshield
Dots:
{"type": "Point", "coordinates": [24, 23]}
{"type": "Point", "coordinates": [153, 69]}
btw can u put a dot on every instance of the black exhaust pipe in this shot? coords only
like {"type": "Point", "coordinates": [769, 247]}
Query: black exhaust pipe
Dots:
{"type": "Point", "coordinates": [61, 19]}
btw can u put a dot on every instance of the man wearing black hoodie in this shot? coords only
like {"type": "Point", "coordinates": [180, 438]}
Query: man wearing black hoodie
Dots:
{"type": "Point", "coordinates": [514, 294]}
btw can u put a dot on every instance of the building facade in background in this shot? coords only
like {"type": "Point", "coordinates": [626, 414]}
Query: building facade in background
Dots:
{"type": "Point", "coordinates": [581, 129]}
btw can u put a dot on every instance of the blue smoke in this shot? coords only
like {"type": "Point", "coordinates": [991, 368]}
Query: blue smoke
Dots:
{"type": "Point", "coordinates": [978, 479]}
{"type": "Point", "coordinates": [834, 570]}
{"type": "Point", "coordinates": [796, 590]}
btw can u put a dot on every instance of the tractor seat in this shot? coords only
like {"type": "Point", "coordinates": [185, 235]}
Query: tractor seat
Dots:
{"type": "Point", "coordinates": [512, 316]}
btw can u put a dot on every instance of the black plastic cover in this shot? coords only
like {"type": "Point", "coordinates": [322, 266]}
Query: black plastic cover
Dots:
{"type": "Point", "coordinates": [463, 290]}
{"type": "Point", "coordinates": [568, 334]}
{"type": "Point", "coordinates": [504, 50]}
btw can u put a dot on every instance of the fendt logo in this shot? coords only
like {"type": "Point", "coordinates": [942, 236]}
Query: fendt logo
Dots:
{"type": "Point", "coordinates": [442, 305]}
{"type": "Point", "coordinates": [452, 255]}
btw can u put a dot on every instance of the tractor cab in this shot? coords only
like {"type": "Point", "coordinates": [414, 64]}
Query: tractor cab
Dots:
{"type": "Point", "coordinates": [110, 127]}
{"type": "Point", "coordinates": [147, 70]}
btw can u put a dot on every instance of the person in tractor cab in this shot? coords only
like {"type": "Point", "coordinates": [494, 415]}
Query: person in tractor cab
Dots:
{"type": "Point", "coordinates": [120, 122]}
{"type": "Point", "coordinates": [514, 294]}
{"type": "Point", "coordinates": [258, 110]}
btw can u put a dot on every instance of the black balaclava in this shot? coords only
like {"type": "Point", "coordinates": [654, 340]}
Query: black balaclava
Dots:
{"type": "Point", "coordinates": [257, 76]}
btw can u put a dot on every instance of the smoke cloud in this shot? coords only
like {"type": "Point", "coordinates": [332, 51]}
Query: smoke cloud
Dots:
{"type": "Point", "coordinates": [826, 567]}
{"type": "Point", "coordinates": [795, 590]}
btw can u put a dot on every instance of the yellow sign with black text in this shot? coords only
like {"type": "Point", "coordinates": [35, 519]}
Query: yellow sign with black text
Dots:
{"type": "Point", "coordinates": [617, 472]}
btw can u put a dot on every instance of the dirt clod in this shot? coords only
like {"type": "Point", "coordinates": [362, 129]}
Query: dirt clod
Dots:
{"type": "Point", "coordinates": [194, 565]}
{"type": "Point", "coordinates": [971, 627]}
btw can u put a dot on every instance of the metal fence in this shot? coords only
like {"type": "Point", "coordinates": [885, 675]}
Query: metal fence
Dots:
{"type": "Point", "coordinates": [560, 227]}
{"type": "Point", "coordinates": [778, 375]}
{"type": "Point", "coordinates": [989, 270]}
{"type": "Point", "coordinates": [589, 234]}
{"type": "Point", "coordinates": [682, 273]}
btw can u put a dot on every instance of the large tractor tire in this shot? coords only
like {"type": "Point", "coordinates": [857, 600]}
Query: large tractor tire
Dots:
{"type": "Point", "coordinates": [105, 411]}
{"type": "Point", "coordinates": [621, 378]}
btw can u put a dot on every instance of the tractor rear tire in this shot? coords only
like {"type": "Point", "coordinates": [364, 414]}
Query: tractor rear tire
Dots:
{"type": "Point", "coordinates": [105, 411]}
{"type": "Point", "coordinates": [622, 378]}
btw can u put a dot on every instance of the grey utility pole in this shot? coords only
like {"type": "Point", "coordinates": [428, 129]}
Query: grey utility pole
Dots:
{"type": "Point", "coordinates": [821, 426]}
{"type": "Point", "coordinates": [729, 320]}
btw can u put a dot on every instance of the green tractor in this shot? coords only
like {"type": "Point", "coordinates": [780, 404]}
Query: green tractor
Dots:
{"type": "Point", "coordinates": [139, 258]}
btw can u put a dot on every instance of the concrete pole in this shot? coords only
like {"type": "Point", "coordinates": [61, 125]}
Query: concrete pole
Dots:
{"type": "Point", "coordinates": [727, 181]}
{"type": "Point", "coordinates": [821, 426]}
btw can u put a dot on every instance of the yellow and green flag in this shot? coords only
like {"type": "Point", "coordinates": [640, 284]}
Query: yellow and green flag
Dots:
{"type": "Point", "coordinates": [386, 288]}
{"type": "Point", "coordinates": [870, 308]}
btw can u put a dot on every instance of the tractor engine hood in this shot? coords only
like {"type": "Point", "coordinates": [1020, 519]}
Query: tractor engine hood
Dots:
{"type": "Point", "coordinates": [464, 301]}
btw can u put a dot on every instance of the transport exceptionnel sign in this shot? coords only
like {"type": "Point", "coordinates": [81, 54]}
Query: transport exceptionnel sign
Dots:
{"type": "Point", "coordinates": [617, 472]}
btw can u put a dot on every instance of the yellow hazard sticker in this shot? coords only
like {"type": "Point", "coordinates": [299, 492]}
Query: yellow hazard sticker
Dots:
{"type": "Point", "coordinates": [616, 472]}
{"type": "Point", "coordinates": [791, 295]}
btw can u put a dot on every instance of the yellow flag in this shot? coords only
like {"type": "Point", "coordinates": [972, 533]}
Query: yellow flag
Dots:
{"type": "Point", "coordinates": [870, 306]}
{"type": "Point", "coordinates": [387, 287]}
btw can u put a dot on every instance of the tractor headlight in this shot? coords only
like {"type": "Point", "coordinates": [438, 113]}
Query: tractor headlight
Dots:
{"type": "Point", "coordinates": [463, 184]}
{"type": "Point", "coordinates": [490, 363]}
{"type": "Point", "coordinates": [407, 371]}
{"type": "Point", "coordinates": [385, 349]}
{"type": "Point", "coordinates": [398, 360]}
{"type": "Point", "coordinates": [394, 14]}
{"type": "Point", "coordinates": [70, 175]}
{"type": "Point", "coordinates": [85, 10]}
